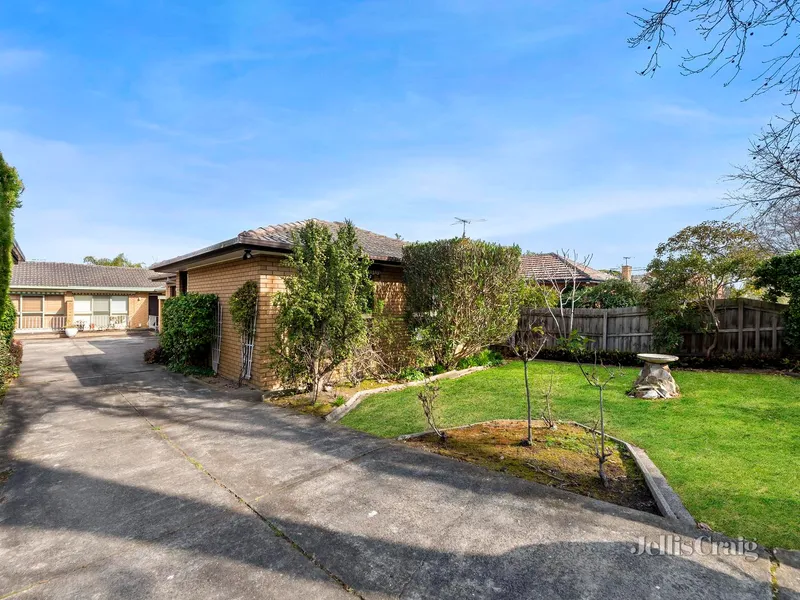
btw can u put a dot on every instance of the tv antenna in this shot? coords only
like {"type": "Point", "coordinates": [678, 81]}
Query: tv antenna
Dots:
{"type": "Point", "coordinates": [626, 259]}
{"type": "Point", "coordinates": [464, 223]}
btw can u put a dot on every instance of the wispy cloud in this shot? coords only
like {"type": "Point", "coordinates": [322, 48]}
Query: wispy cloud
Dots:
{"type": "Point", "coordinates": [14, 60]}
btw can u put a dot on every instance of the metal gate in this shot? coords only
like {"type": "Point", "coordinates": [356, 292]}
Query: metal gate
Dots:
{"type": "Point", "coordinates": [215, 346]}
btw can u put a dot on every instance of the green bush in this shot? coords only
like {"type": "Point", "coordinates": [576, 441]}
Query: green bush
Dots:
{"type": "Point", "coordinates": [718, 361]}
{"type": "Point", "coordinates": [614, 293]}
{"type": "Point", "coordinates": [462, 295]}
{"type": "Point", "coordinates": [483, 358]}
{"type": "Point", "coordinates": [242, 306]}
{"type": "Point", "coordinates": [780, 276]}
{"type": "Point", "coordinates": [189, 324]}
{"type": "Point", "coordinates": [411, 374]}
{"type": "Point", "coordinates": [10, 360]}
{"type": "Point", "coordinates": [8, 321]}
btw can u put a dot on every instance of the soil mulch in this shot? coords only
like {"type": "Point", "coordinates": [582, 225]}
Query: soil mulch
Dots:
{"type": "Point", "coordinates": [562, 458]}
{"type": "Point", "coordinates": [327, 401]}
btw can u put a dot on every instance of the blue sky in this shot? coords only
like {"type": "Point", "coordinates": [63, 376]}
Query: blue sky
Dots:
{"type": "Point", "coordinates": [154, 128]}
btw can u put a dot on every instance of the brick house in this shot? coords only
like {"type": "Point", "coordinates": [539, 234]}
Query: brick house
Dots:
{"type": "Point", "coordinates": [49, 295]}
{"type": "Point", "coordinates": [259, 254]}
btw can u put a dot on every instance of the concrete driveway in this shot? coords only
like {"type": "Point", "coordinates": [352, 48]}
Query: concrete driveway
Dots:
{"type": "Point", "coordinates": [131, 482]}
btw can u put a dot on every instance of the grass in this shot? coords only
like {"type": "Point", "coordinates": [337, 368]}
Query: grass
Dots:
{"type": "Point", "coordinates": [730, 446]}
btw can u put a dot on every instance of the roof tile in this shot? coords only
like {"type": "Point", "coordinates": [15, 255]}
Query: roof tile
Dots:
{"type": "Point", "coordinates": [66, 275]}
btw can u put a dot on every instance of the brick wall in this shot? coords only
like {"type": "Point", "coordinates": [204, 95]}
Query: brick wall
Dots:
{"type": "Point", "coordinates": [137, 310]}
{"type": "Point", "coordinates": [225, 278]}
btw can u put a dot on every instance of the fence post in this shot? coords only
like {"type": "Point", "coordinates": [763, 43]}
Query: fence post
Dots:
{"type": "Point", "coordinates": [758, 330]}
{"type": "Point", "coordinates": [740, 326]}
{"type": "Point", "coordinates": [605, 329]}
{"type": "Point", "coordinates": [774, 332]}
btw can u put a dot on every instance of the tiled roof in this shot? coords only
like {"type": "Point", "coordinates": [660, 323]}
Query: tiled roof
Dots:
{"type": "Point", "coordinates": [71, 275]}
{"type": "Point", "coordinates": [279, 237]}
{"type": "Point", "coordinates": [554, 267]}
{"type": "Point", "coordinates": [378, 247]}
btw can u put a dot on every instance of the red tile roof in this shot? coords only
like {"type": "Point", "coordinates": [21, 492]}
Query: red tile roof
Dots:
{"type": "Point", "coordinates": [552, 266]}
{"type": "Point", "coordinates": [378, 247]}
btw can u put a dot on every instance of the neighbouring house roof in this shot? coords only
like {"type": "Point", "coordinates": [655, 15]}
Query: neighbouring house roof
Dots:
{"type": "Point", "coordinates": [279, 238]}
{"type": "Point", "coordinates": [16, 253]}
{"type": "Point", "coordinates": [72, 276]}
{"type": "Point", "coordinates": [553, 267]}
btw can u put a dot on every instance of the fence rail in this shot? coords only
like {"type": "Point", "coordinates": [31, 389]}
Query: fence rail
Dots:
{"type": "Point", "coordinates": [746, 326]}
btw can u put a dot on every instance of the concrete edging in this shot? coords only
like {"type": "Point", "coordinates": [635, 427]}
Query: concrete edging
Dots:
{"type": "Point", "coordinates": [667, 500]}
{"type": "Point", "coordinates": [354, 400]}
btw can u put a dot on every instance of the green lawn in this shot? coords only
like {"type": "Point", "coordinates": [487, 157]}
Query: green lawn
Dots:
{"type": "Point", "coordinates": [730, 446]}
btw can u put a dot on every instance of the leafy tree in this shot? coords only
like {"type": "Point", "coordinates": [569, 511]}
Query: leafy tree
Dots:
{"type": "Point", "coordinates": [780, 275]}
{"type": "Point", "coordinates": [11, 189]}
{"type": "Point", "coordinates": [694, 269]}
{"type": "Point", "coordinates": [461, 296]}
{"type": "Point", "coordinates": [614, 293]}
{"type": "Point", "coordinates": [322, 314]}
{"type": "Point", "coordinates": [120, 260]}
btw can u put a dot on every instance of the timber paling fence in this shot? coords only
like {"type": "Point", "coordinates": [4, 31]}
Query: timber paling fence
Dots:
{"type": "Point", "coordinates": [746, 326]}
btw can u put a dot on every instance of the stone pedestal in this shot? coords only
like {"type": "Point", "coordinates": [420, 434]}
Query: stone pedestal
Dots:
{"type": "Point", "coordinates": [655, 381]}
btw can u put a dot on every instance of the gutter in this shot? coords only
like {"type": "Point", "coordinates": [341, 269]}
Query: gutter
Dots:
{"type": "Point", "coordinates": [94, 288]}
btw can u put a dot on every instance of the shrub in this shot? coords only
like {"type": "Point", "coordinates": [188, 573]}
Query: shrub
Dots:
{"type": "Point", "coordinates": [780, 275]}
{"type": "Point", "coordinates": [614, 293]}
{"type": "Point", "coordinates": [719, 361]}
{"type": "Point", "coordinates": [411, 374]}
{"type": "Point", "coordinates": [462, 295]}
{"type": "Point", "coordinates": [8, 320]}
{"type": "Point", "coordinates": [483, 358]}
{"type": "Point", "coordinates": [321, 317]}
{"type": "Point", "coordinates": [189, 324]}
{"type": "Point", "coordinates": [242, 306]}
{"type": "Point", "coordinates": [10, 360]}
{"type": "Point", "coordinates": [154, 355]}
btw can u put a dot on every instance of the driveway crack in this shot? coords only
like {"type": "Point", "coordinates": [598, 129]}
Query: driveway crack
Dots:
{"type": "Point", "coordinates": [275, 529]}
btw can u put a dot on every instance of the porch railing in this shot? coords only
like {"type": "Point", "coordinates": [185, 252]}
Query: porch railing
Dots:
{"type": "Point", "coordinates": [100, 322]}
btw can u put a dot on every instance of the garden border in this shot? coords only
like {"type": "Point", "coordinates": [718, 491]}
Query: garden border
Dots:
{"type": "Point", "coordinates": [667, 500]}
{"type": "Point", "coordinates": [354, 400]}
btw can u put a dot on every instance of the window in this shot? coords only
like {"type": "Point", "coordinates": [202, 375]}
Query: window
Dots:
{"type": "Point", "coordinates": [40, 311]}
{"type": "Point", "coordinates": [119, 305]}
{"type": "Point", "coordinates": [100, 312]}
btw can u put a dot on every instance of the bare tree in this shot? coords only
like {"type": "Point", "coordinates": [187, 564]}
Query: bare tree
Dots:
{"type": "Point", "coordinates": [769, 187]}
{"type": "Point", "coordinates": [428, 396]}
{"type": "Point", "coordinates": [547, 411]}
{"type": "Point", "coordinates": [598, 376]}
{"type": "Point", "coordinates": [728, 29]}
{"type": "Point", "coordinates": [779, 231]}
{"type": "Point", "coordinates": [526, 343]}
{"type": "Point", "coordinates": [561, 294]}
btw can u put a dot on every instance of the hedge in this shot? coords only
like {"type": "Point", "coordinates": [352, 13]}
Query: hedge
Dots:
{"type": "Point", "coordinates": [188, 328]}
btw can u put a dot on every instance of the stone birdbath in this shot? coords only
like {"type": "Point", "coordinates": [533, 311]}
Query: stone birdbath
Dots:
{"type": "Point", "coordinates": [655, 380]}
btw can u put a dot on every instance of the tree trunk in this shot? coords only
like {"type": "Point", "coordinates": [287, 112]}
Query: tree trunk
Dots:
{"type": "Point", "coordinates": [528, 398]}
{"type": "Point", "coordinates": [602, 457]}
{"type": "Point", "coordinates": [713, 345]}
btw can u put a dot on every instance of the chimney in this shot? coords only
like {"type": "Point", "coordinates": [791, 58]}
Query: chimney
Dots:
{"type": "Point", "coordinates": [626, 272]}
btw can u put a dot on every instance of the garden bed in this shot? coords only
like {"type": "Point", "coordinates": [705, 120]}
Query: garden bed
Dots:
{"type": "Point", "coordinates": [562, 458]}
{"type": "Point", "coordinates": [326, 401]}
